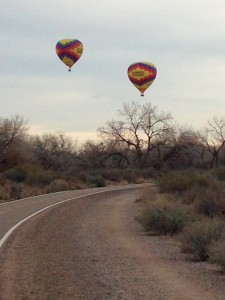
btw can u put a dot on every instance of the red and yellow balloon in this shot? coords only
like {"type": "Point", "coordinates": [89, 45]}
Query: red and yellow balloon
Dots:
{"type": "Point", "coordinates": [142, 75]}
{"type": "Point", "coordinates": [69, 51]}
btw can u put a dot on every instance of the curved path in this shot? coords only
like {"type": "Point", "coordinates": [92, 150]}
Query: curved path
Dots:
{"type": "Point", "coordinates": [92, 248]}
{"type": "Point", "coordinates": [14, 213]}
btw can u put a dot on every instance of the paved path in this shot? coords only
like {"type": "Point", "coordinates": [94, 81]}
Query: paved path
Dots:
{"type": "Point", "coordinates": [93, 249]}
{"type": "Point", "coordinates": [12, 213]}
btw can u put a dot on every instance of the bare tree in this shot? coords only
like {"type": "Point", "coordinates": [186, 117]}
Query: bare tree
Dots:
{"type": "Point", "coordinates": [183, 148]}
{"type": "Point", "coordinates": [54, 151]}
{"type": "Point", "coordinates": [139, 129]}
{"type": "Point", "coordinates": [12, 133]}
{"type": "Point", "coordinates": [103, 154]}
{"type": "Point", "coordinates": [213, 137]}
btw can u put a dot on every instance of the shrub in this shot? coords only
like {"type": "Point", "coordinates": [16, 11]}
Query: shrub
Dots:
{"type": "Point", "coordinates": [163, 217]}
{"type": "Point", "coordinates": [190, 196]}
{"type": "Point", "coordinates": [96, 180]}
{"type": "Point", "coordinates": [149, 173]}
{"type": "Point", "coordinates": [16, 191]}
{"type": "Point", "coordinates": [149, 194]}
{"type": "Point", "coordinates": [197, 237]}
{"type": "Point", "coordinates": [57, 185]}
{"type": "Point", "coordinates": [219, 173]}
{"type": "Point", "coordinates": [40, 178]}
{"type": "Point", "coordinates": [182, 181]}
{"type": "Point", "coordinates": [174, 182]}
{"type": "Point", "coordinates": [16, 174]}
{"type": "Point", "coordinates": [131, 175]}
{"type": "Point", "coordinates": [111, 174]}
{"type": "Point", "coordinates": [82, 176]}
{"type": "Point", "coordinates": [5, 192]}
{"type": "Point", "coordinates": [217, 252]}
{"type": "Point", "coordinates": [211, 201]}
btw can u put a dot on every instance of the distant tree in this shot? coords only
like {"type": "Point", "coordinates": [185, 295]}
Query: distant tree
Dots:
{"type": "Point", "coordinates": [213, 137]}
{"type": "Point", "coordinates": [183, 149]}
{"type": "Point", "coordinates": [93, 154]}
{"type": "Point", "coordinates": [12, 135]}
{"type": "Point", "coordinates": [55, 151]}
{"type": "Point", "coordinates": [103, 154]}
{"type": "Point", "coordinates": [139, 129]}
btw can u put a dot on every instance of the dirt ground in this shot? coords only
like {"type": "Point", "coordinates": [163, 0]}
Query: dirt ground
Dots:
{"type": "Point", "coordinates": [94, 249]}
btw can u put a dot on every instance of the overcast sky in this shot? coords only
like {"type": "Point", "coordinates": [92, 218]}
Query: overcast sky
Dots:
{"type": "Point", "coordinates": [184, 39]}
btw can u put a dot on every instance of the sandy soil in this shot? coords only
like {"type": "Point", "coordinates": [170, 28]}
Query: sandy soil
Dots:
{"type": "Point", "coordinates": [94, 249]}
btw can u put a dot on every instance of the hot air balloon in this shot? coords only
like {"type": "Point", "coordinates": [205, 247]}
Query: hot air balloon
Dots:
{"type": "Point", "coordinates": [142, 75]}
{"type": "Point", "coordinates": [69, 51]}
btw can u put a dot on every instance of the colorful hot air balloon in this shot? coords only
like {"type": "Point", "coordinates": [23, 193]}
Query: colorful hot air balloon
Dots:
{"type": "Point", "coordinates": [69, 51]}
{"type": "Point", "coordinates": [142, 75]}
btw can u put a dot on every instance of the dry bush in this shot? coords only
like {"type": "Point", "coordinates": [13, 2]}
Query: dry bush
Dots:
{"type": "Point", "coordinates": [182, 181]}
{"type": "Point", "coordinates": [37, 176]}
{"type": "Point", "coordinates": [201, 190]}
{"type": "Point", "coordinates": [148, 195]}
{"type": "Point", "coordinates": [57, 185]}
{"type": "Point", "coordinates": [131, 175]}
{"type": "Point", "coordinates": [114, 175]}
{"type": "Point", "coordinates": [5, 192]}
{"type": "Point", "coordinates": [163, 216]}
{"type": "Point", "coordinates": [197, 237]}
{"type": "Point", "coordinates": [219, 173]}
{"type": "Point", "coordinates": [174, 182]}
{"type": "Point", "coordinates": [216, 252]}
{"type": "Point", "coordinates": [16, 191]}
{"type": "Point", "coordinates": [16, 174]}
{"type": "Point", "coordinates": [211, 201]}
{"type": "Point", "coordinates": [96, 180]}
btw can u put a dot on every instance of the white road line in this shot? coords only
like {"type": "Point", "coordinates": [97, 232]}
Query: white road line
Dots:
{"type": "Point", "coordinates": [42, 195]}
{"type": "Point", "coordinates": [10, 231]}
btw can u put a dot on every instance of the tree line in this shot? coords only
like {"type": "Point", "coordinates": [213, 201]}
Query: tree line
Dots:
{"type": "Point", "coordinates": [142, 137]}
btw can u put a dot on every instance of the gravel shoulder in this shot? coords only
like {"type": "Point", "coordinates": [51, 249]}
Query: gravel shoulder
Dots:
{"type": "Point", "coordinates": [93, 248]}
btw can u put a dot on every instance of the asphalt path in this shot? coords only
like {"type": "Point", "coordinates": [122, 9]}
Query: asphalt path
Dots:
{"type": "Point", "coordinates": [15, 213]}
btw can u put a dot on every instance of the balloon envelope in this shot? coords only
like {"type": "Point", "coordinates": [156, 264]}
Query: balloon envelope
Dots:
{"type": "Point", "coordinates": [142, 75]}
{"type": "Point", "coordinates": [69, 51]}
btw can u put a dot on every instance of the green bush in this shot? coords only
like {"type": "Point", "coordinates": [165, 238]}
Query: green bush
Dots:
{"type": "Point", "coordinates": [197, 237]}
{"type": "Point", "coordinates": [163, 217]}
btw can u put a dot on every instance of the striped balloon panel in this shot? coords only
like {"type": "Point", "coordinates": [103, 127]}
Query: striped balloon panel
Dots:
{"type": "Point", "coordinates": [142, 74]}
{"type": "Point", "coordinates": [69, 51]}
